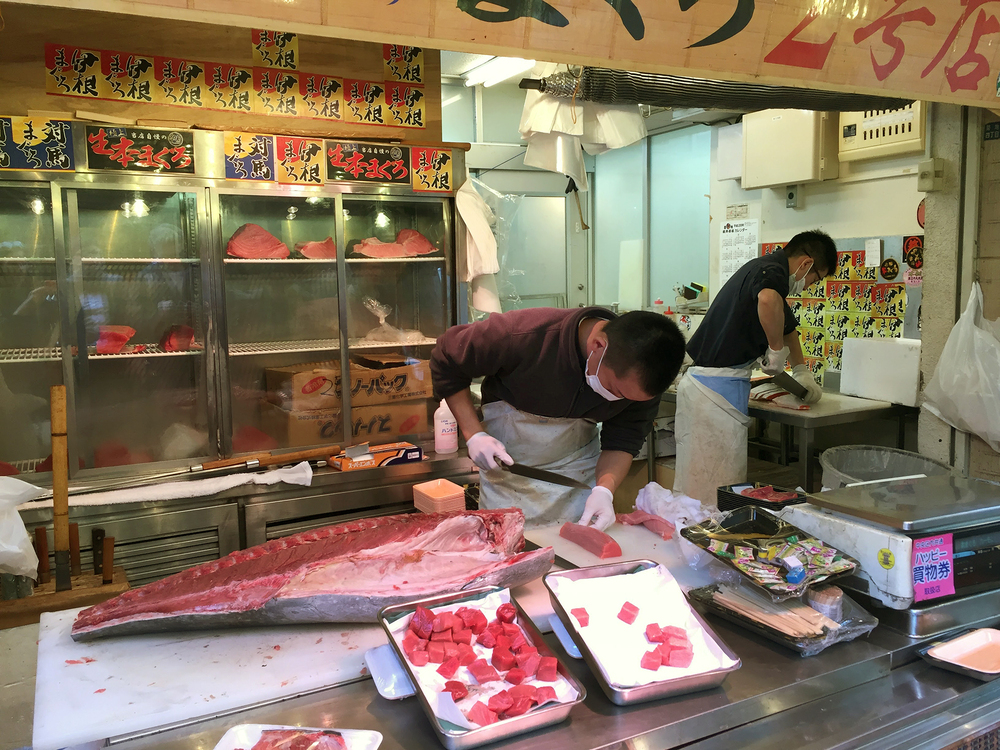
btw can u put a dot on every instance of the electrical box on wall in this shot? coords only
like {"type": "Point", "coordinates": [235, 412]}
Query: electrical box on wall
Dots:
{"type": "Point", "coordinates": [876, 133]}
{"type": "Point", "coordinates": [789, 147]}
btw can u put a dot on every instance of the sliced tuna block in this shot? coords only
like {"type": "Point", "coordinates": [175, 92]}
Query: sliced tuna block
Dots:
{"type": "Point", "coordinates": [548, 669]}
{"type": "Point", "coordinates": [503, 659]}
{"type": "Point", "coordinates": [486, 639]}
{"type": "Point", "coordinates": [521, 706]}
{"type": "Point", "coordinates": [500, 701]}
{"type": "Point", "coordinates": [680, 657]}
{"type": "Point", "coordinates": [506, 613]}
{"type": "Point", "coordinates": [318, 250]}
{"type": "Point", "coordinates": [651, 660]}
{"type": "Point", "coordinates": [483, 672]}
{"type": "Point", "coordinates": [373, 247]}
{"type": "Point", "coordinates": [111, 339]}
{"type": "Point", "coordinates": [448, 668]}
{"type": "Point", "coordinates": [253, 241]}
{"type": "Point", "coordinates": [596, 542]}
{"type": "Point", "coordinates": [419, 658]}
{"type": "Point", "coordinates": [481, 715]}
{"type": "Point", "coordinates": [515, 676]}
{"type": "Point", "coordinates": [628, 613]}
{"type": "Point", "coordinates": [524, 690]}
{"type": "Point", "coordinates": [414, 243]}
{"type": "Point", "coordinates": [657, 525]}
{"type": "Point", "coordinates": [581, 616]}
{"type": "Point", "coordinates": [457, 689]}
{"type": "Point", "coordinates": [653, 633]}
{"type": "Point", "coordinates": [545, 694]}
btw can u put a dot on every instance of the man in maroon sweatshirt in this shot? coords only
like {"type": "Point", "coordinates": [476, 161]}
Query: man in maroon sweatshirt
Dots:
{"type": "Point", "coordinates": [550, 377]}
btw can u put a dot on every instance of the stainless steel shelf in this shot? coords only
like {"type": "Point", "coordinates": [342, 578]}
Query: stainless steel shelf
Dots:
{"type": "Point", "coordinates": [252, 261]}
{"type": "Point", "coordinates": [143, 261]}
{"type": "Point", "coordinates": [151, 350]}
{"type": "Point", "coordinates": [284, 347]}
{"type": "Point", "coordinates": [27, 260]}
{"type": "Point", "coordinates": [26, 466]}
{"type": "Point", "coordinates": [31, 354]}
{"type": "Point", "coordinates": [359, 344]}
{"type": "Point", "coordinates": [415, 259]}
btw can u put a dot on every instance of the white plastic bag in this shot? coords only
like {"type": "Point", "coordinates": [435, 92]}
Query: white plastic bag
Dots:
{"type": "Point", "coordinates": [17, 556]}
{"type": "Point", "coordinates": [965, 388]}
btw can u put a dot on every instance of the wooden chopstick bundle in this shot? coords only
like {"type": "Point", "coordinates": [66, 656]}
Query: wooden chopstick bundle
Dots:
{"type": "Point", "coordinates": [792, 617]}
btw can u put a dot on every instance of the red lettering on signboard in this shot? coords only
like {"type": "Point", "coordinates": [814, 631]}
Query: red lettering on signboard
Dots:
{"type": "Point", "coordinates": [799, 54]}
{"type": "Point", "coordinates": [981, 67]}
{"type": "Point", "coordinates": [889, 24]}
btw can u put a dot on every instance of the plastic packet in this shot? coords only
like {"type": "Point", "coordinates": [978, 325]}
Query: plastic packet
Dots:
{"type": "Point", "coordinates": [17, 556]}
{"type": "Point", "coordinates": [386, 332]}
{"type": "Point", "coordinates": [681, 511]}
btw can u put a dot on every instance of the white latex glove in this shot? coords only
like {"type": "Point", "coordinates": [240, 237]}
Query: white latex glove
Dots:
{"type": "Point", "coordinates": [484, 450]}
{"type": "Point", "coordinates": [773, 362]}
{"type": "Point", "coordinates": [804, 376]}
{"type": "Point", "coordinates": [599, 511]}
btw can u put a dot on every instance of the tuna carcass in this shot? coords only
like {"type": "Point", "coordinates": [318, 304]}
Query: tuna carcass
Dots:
{"type": "Point", "coordinates": [253, 241]}
{"type": "Point", "coordinates": [342, 573]}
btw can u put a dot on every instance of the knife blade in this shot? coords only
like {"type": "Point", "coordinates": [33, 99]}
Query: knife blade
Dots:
{"type": "Point", "coordinates": [790, 384]}
{"type": "Point", "coordinates": [544, 476]}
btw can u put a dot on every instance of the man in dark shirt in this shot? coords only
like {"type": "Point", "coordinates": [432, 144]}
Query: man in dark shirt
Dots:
{"type": "Point", "coordinates": [749, 320]}
{"type": "Point", "coordinates": [550, 377]}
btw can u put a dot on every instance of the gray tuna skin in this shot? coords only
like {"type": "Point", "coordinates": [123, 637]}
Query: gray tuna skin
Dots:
{"type": "Point", "coordinates": [324, 608]}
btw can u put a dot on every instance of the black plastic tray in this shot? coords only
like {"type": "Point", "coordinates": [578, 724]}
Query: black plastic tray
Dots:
{"type": "Point", "coordinates": [727, 499]}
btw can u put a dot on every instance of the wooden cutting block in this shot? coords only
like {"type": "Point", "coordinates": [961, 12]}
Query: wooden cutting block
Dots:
{"type": "Point", "coordinates": [88, 589]}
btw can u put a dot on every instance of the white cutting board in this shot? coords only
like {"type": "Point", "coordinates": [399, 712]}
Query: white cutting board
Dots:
{"type": "Point", "coordinates": [637, 543]}
{"type": "Point", "coordinates": [110, 687]}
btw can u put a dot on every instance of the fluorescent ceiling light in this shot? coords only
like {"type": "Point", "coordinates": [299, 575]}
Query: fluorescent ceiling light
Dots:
{"type": "Point", "coordinates": [497, 70]}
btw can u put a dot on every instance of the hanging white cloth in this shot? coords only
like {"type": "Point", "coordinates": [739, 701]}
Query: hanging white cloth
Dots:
{"type": "Point", "coordinates": [565, 446]}
{"type": "Point", "coordinates": [479, 262]}
{"type": "Point", "coordinates": [711, 431]}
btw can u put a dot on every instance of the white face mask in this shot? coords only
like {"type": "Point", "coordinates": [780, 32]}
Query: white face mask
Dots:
{"type": "Point", "coordinates": [796, 285]}
{"type": "Point", "coordinates": [595, 382]}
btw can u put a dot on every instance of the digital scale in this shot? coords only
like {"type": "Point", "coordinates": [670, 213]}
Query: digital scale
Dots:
{"type": "Point", "coordinates": [929, 548]}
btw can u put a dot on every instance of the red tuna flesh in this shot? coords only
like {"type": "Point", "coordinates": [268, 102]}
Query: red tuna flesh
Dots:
{"type": "Point", "coordinates": [249, 439]}
{"type": "Point", "coordinates": [373, 247]}
{"type": "Point", "coordinates": [594, 541]}
{"type": "Point", "coordinates": [6, 470]}
{"type": "Point", "coordinates": [113, 338]}
{"type": "Point", "coordinates": [253, 241]}
{"type": "Point", "coordinates": [317, 250]}
{"type": "Point", "coordinates": [654, 523]}
{"type": "Point", "coordinates": [414, 243]}
{"type": "Point", "coordinates": [299, 739]}
{"type": "Point", "coordinates": [342, 573]}
{"type": "Point", "coordinates": [177, 339]}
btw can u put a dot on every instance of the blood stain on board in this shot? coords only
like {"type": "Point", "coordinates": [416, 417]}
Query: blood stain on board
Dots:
{"type": "Point", "coordinates": [100, 690]}
{"type": "Point", "coordinates": [277, 648]}
{"type": "Point", "coordinates": [319, 641]}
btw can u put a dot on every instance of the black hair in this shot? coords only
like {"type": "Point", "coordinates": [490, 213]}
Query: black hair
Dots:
{"type": "Point", "coordinates": [647, 343]}
{"type": "Point", "coordinates": [818, 246]}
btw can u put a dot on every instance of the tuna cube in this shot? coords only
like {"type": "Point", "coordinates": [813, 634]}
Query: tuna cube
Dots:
{"type": "Point", "coordinates": [467, 614]}
{"type": "Point", "coordinates": [448, 668]}
{"type": "Point", "coordinates": [629, 613]}
{"type": "Point", "coordinates": [496, 628]}
{"type": "Point", "coordinates": [419, 658]}
{"type": "Point", "coordinates": [422, 622]}
{"type": "Point", "coordinates": [443, 621]}
{"type": "Point", "coordinates": [676, 642]}
{"type": "Point", "coordinates": [530, 665]}
{"type": "Point", "coordinates": [581, 616]}
{"type": "Point", "coordinates": [506, 612]}
{"type": "Point", "coordinates": [653, 633]}
{"type": "Point", "coordinates": [441, 635]}
{"type": "Point", "coordinates": [479, 622]}
{"type": "Point", "coordinates": [680, 657]}
{"type": "Point", "coordinates": [548, 668]}
{"type": "Point", "coordinates": [462, 636]}
{"type": "Point", "coordinates": [671, 630]}
{"type": "Point", "coordinates": [486, 639]}
{"type": "Point", "coordinates": [450, 650]}
{"type": "Point", "coordinates": [545, 694]}
{"type": "Point", "coordinates": [500, 701]}
{"type": "Point", "coordinates": [664, 649]}
{"type": "Point", "coordinates": [466, 655]}
{"type": "Point", "coordinates": [503, 641]}
{"type": "Point", "coordinates": [483, 672]}
{"type": "Point", "coordinates": [503, 659]}
{"type": "Point", "coordinates": [526, 650]}
{"type": "Point", "coordinates": [515, 676]}
{"type": "Point", "coordinates": [481, 715]}
{"type": "Point", "coordinates": [650, 660]}
{"type": "Point", "coordinates": [521, 706]}
{"type": "Point", "coordinates": [524, 690]}
{"type": "Point", "coordinates": [510, 629]}
{"type": "Point", "coordinates": [457, 689]}
{"type": "Point", "coordinates": [435, 652]}
{"type": "Point", "coordinates": [518, 642]}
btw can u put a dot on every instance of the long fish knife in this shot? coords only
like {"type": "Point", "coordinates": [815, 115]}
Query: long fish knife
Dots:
{"type": "Point", "coordinates": [544, 476]}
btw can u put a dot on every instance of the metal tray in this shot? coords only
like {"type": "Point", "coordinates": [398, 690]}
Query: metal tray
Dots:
{"type": "Point", "coordinates": [755, 520]}
{"type": "Point", "coordinates": [950, 666]}
{"type": "Point", "coordinates": [618, 694]}
{"type": "Point", "coordinates": [458, 738]}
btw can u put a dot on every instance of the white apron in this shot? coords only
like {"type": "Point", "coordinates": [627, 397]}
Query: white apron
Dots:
{"type": "Point", "coordinates": [711, 432]}
{"type": "Point", "coordinates": [566, 446]}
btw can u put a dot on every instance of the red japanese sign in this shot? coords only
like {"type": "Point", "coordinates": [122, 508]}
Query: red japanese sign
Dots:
{"type": "Point", "coordinates": [367, 162]}
{"type": "Point", "coordinates": [140, 149]}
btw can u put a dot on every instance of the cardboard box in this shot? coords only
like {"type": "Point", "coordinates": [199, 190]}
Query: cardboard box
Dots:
{"type": "Point", "coordinates": [375, 379]}
{"type": "Point", "coordinates": [376, 424]}
{"type": "Point", "coordinates": [380, 455]}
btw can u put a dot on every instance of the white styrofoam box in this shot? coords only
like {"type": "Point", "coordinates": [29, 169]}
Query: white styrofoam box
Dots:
{"type": "Point", "coordinates": [789, 147]}
{"type": "Point", "coordinates": [883, 369]}
{"type": "Point", "coordinates": [729, 153]}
